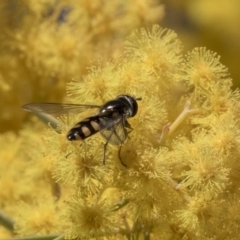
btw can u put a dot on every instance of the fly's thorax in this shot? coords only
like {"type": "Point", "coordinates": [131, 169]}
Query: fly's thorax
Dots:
{"type": "Point", "coordinates": [123, 105]}
{"type": "Point", "coordinates": [131, 102]}
{"type": "Point", "coordinates": [84, 129]}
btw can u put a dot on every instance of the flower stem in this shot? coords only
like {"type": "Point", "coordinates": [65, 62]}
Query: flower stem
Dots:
{"type": "Point", "coordinates": [6, 221]}
{"type": "Point", "coordinates": [169, 129]}
{"type": "Point", "coordinates": [45, 237]}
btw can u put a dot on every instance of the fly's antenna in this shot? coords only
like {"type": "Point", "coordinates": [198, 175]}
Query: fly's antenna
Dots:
{"type": "Point", "coordinates": [138, 99]}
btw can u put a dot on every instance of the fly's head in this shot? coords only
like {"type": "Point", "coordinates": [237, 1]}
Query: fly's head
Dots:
{"type": "Point", "coordinates": [131, 103]}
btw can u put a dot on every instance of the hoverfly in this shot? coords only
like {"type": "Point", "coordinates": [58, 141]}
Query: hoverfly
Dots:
{"type": "Point", "coordinates": [110, 121]}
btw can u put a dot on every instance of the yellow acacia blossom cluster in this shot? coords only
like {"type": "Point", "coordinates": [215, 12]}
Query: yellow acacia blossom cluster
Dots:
{"type": "Point", "coordinates": [181, 179]}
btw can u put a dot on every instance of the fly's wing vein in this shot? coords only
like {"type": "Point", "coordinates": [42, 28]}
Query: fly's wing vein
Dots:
{"type": "Point", "coordinates": [113, 129]}
{"type": "Point", "coordinates": [57, 108]}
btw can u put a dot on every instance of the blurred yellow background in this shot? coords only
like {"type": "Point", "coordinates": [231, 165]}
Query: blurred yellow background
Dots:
{"type": "Point", "coordinates": [213, 24]}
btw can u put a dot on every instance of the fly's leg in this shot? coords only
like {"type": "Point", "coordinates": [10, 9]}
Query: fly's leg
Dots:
{"type": "Point", "coordinates": [105, 147]}
{"type": "Point", "coordinates": [104, 152]}
{"type": "Point", "coordinates": [119, 151]}
{"type": "Point", "coordinates": [126, 125]}
{"type": "Point", "coordinates": [119, 156]}
{"type": "Point", "coordinates": [129, 127]}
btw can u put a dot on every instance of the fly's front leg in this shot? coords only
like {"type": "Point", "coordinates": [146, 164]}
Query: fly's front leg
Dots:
{"type": "Point", "coordinates": [129, 128]}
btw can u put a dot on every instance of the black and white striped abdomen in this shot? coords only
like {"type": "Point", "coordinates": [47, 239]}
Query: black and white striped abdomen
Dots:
{"type": "Point", "coordinates": [84, 129]}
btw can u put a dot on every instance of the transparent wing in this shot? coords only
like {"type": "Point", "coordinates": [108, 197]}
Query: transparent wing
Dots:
{"type": "Point", "coordinates": [113, 129]}
{"type": "Point", "coordinates": [57, 108]}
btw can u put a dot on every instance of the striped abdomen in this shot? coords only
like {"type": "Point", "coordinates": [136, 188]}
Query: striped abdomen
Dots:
{"type": "Point", "coordinates": [84, 129]}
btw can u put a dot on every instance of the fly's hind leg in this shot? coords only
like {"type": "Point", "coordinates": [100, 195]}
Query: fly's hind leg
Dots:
{"type": "Point", "coordinates": [119, 151]}
{"type": "Point", "coordinates": [119, 156]}
{"type": "Point", "coordinates": [125, 125]}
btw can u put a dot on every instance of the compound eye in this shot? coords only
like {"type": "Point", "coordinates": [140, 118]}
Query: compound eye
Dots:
{"type": "Point", "coordinates": [132, 104]}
